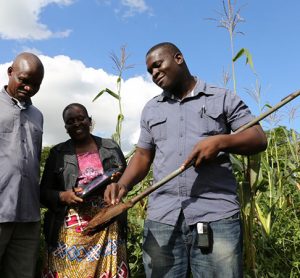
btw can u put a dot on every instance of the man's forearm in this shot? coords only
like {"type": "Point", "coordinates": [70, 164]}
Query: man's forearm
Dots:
{"type": "Point", "coordinates": [250, 141]}
{"type": "Point", "coordinates": [137, 169]}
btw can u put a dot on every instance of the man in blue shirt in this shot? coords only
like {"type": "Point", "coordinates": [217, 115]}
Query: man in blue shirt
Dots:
{"type": "Point", "coordinates": [21, 127]}
{"type": "Point", "coordinates": [192, 221]}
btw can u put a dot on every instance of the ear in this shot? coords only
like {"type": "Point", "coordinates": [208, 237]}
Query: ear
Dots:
{"type": "Point", "coordinates": [9, 71]}
{"type": "Point", "coordinates": [90, 119]}
{"type": "Point", "coordinates": [178, 57]}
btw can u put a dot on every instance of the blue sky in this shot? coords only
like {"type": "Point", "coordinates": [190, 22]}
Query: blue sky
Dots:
{"type": "Point", "coordinates": [74, 39]}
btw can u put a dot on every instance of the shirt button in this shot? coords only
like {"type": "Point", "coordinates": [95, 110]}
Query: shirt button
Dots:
{"type": "Point", "coordinates": [181, 118]}
{"type": "Point", "coordinates": [180, 154]}
{"type": "Point", "coordinates": [23, 140]}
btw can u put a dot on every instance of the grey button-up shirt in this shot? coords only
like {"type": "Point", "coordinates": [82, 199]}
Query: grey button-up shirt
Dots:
{"type": "Point", "coordinates": [172, 127]}
{"type": "Point", "coordinates": [20, 150]}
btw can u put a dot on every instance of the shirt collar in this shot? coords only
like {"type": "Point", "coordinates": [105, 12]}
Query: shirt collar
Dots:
{"type": "Point", "coordinates": [200, 88]}
{"type": "Point", "coordinates": [21, 104]}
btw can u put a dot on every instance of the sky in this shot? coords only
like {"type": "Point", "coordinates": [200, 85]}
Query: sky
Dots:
{"type": "Point", "coordinates": [75, 39]}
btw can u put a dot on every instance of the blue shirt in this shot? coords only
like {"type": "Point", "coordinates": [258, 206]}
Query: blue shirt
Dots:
{"type": "Point", "coordinates": [20, 149]}
{"type": "Point", "coordinates": [172, 127]}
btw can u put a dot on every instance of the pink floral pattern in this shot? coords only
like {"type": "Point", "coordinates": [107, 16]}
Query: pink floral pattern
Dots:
{"type": "Point", "coordinates": [90, 166]}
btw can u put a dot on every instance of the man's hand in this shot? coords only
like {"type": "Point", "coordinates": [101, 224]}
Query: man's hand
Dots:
{"type": "Point", "coordinates": [250, 141]}
{"type": "Point", "coordinates": [205, 150]}
{"type": "Point", "coordinates": [116, 176]}
{"type": "Point", "coordinates": [69, 197]}
{"type": "Point", "coordinates": [114, 193]}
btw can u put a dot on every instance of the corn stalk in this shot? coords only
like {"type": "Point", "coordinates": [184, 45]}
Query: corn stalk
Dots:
{"type": "Point", "coordinates": [229, 19]}
{"type": "Point", "coordinates": [120, 66]}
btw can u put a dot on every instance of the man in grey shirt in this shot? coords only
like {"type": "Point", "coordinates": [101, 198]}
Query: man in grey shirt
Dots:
{"type": "Point", "coordinates": [21, 128]}
{"type": "Point", "coordinates": [192, 221]}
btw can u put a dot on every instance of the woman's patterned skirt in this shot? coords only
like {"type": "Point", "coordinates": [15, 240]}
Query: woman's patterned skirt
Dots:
{"type": "Point", "coordinates": [99, 255]}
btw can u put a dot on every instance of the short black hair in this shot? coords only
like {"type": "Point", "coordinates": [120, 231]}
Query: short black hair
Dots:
{"type": "Point", "coordinates": [76, 105]}
{"type": "Point", "coordinates": [170, 46]}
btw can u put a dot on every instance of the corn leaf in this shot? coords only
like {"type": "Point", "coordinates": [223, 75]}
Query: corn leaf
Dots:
{"type": "Point", "coordinates": [264, 220]}
{"type": "Point", "coordinates": [113, 94]}
{"type": "Point", "coordinates": [245, 51]}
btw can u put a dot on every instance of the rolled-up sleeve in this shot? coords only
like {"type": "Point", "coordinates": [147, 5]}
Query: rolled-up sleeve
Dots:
{"type": "Point", "coordinates": [238, 113]}
{"type": "Point", "coordinates": [146, 139]}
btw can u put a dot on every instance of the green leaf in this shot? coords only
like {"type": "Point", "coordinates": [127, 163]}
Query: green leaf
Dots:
{"type": "Point", "coordinates": [99, 94]}
{"type": "Point", "coordinates": [236, 162]}
{"type": "Point", "coordinates": [254, 169]}
{"type": "Point", "coordinates": [265, 220]}
{"type": "Point", "coordinates": [245, 51]}
{"type": "Point", "coordinates": [268, 106]}
{"type": "Point", "coordinates": [113, 94]}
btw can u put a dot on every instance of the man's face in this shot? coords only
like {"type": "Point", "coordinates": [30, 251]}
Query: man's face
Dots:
{"type": "Point", "coordinates": [24, 80]}
{"type": "Point", "coordinates": [164, 67]}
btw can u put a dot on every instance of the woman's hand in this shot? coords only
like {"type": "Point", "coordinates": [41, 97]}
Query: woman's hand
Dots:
{"type": "Point", "coordinates": [69, 197]}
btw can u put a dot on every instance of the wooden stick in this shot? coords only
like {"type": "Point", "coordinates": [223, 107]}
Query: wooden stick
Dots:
{"type": "Point", "coordinates": [108, 213]}
{"type": "Point", "coordinates": [271, 110]}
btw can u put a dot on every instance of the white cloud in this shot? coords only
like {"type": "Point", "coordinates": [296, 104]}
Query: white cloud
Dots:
{"type": "Point", "coordinates": [68, 81]}
{"type": "Point", "coordinates": [135, 6]}
{"type": "Point", "coordinates": [20, 19]}
{"type": "Point", "coordinates": [32, 50]}
{"type": "Point", "coordinates": [129, 7]}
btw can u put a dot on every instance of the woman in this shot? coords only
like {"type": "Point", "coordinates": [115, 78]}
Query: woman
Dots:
{"type": "Point", "coordinates": [69, 167]}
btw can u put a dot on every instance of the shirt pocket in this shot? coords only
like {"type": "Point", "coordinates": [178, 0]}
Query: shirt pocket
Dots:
{"type": "Point", "coordinates": [6, 127]}
{"type": "Point", "coordinates": [158, 127]}
{"type": "Point", "coordinates": [37, 134]}
{"type": "Point", "coordinates": [212, 119]}
{"type": "Point", "coordinates": [7, 124]}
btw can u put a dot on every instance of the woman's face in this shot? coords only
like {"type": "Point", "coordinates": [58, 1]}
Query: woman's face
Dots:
{"type": "Point", "coordinates": [77, 123]}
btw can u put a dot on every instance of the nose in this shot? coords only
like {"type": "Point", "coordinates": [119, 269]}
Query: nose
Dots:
{"type": "Point", "coordinates": [27, 88]}
{"type": "Point", "coordinates": [77, 122]}
{"type": "Point", "coordinates": [31, 88]}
